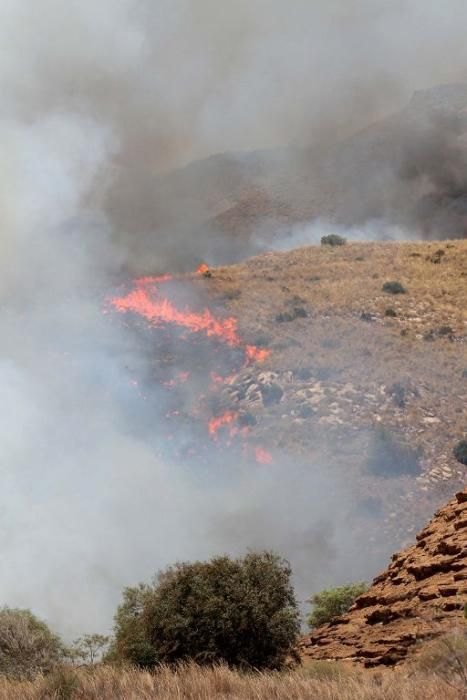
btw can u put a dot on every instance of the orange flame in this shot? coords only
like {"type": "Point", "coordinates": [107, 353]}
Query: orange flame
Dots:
{"type": "Point", "coordinates": [180, 378]}
{"type": "Point", "coordinates": [160, 310]}
{"type": "Point", "coordinates": [227, 418]}
{"type": "Point", "coordinates": [262, 456]}
{"type": "Point", "coordinates": [202, 269]}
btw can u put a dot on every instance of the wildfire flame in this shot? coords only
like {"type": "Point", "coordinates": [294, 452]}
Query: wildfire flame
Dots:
{"type": "Point", "coordinates": [262, 456]}
{"type": "Point", "coordinates": [227, 418]}
{"type": "Point", "coordinates": [144, 300]}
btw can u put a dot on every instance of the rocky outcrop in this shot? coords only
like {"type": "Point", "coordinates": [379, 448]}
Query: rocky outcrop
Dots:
{"type": "Point", "coordinates": [421, 594]}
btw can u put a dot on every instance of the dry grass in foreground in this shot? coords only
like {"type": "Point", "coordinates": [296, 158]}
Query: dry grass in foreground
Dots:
{"type": "Point", "coordinates": [321, 682]}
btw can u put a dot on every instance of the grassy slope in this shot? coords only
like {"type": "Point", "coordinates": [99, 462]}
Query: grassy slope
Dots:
{"type": "Point", "coordinates": [352, 363]}
{"type": "Point", "coordinates": [199, 684]}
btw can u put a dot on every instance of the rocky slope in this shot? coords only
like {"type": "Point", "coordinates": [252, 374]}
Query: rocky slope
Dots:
{"type": "Point", "coordinates": [354, 372]}
{"type": "Point", "coordinates": [421, 594]}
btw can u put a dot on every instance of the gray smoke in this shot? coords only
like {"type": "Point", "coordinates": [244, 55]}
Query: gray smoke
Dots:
{"type": "Point", "coordinates": [99, 101]}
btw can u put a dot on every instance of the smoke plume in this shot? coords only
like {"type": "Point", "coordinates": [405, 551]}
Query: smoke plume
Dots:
{"type": "Point", "coordinates": [101, 103]}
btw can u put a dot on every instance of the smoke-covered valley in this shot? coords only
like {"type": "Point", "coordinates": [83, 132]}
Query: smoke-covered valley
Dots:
{"type": "Point", "coordinates": [112, 119]}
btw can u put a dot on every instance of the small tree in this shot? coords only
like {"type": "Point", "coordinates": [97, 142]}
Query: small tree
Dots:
{"type": "Point", "coordinates": [241, 612]}
{"type": "Point", "coordinates": [89, 648]}
{"type": "Point", "coordinates": [333, 602]}
{"type": "Point", "coordinates": [27, 646]}
{"type": "Point", "coordinates": [130, 643]}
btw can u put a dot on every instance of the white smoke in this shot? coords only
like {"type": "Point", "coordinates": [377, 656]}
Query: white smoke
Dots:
{"type": "Point", "coordinates": [97, 99]}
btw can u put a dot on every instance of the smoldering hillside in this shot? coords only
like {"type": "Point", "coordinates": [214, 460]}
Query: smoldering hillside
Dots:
{"type": "Point", "coordinates": [103, 108]}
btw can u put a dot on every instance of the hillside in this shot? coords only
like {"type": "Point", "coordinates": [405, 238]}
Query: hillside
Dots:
{"type": "Point", "coordinates": [407, 170]}
{"type": "Point", "coordinates": [353, 372]}
{"type": "Point", "coordinates": [421, 594]}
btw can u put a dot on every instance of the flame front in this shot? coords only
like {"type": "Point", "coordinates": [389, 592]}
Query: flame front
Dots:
{"type": "Point", "coordinates": [144, 300]}
{"type": "Point", "coordinates": [226, 419]}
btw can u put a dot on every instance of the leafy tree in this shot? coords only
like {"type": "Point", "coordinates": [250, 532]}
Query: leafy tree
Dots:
{"type": "Point", "coordinates": [130, 643]}
{"type": "Point", "coordinates": [89, 648]}
{"type": "Point", "coordinates": [27, 646]}
{"type": "Point", "coordinates": [239, 611]}
{"type": "Point", "coordinates": [333, 602]}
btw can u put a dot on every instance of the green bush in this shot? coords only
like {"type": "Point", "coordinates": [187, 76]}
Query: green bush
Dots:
{"type": "Point", "coordinates": [333, 239]}
{"type": "Point", "coordinates": [27, 646]}
{"type": "Point", "coordinates": [389, 456]}
{"type": "Point", "coordinates": [287, 316]}
{"type": "Point", "coordinates": [394, 288]}
{"type": "Point", "coordinates": [130, 644]}
{"type": "Point", "coordinates": [241, 612]}
{"type": "Point", "coordinates": [460, 452]}
{"type": "Point", "coordinates": [333, 602]}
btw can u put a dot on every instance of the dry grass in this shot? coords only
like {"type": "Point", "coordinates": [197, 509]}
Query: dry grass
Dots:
{"type": "Point", "coordinates": [194, 683]}
{"type": "Point", "coordinates": [355, 353]}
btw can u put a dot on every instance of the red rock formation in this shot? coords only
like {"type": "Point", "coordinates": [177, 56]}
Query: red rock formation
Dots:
{"type": "Point", "coordinates": [421, 594]}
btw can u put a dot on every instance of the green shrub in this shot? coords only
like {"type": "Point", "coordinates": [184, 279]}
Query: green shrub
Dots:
{"type": "Point", "coordinates": [390, 313]}
{"type": "Point", "coordinates": [460, 452]}
{"type": "Point", "coordinates": [241, 612]}
{"type": "Point", "coordinates": [287, 316]}
{"type": "Point", "coordinates": [394, 288]}
{"type": "Point", "coordinates": [130, 644]}
{"type": "Point", "coordinates": [27, 646]}
{"type": "Point", "coordinates": [246, 419]}
{"type": "Point", "coordinates": [333, 602]}
{"type": "Point", "coordinates": [271, 393]}
{"type": "Point", "coordinates": [333, 239]}
{"type": "Point", "coordinates": [388, 456]}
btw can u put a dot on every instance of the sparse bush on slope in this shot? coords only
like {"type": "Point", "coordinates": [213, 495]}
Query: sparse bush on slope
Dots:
{"type": "Point", "coordinates": [460, 452]}
{"type": "Point", "coordinates": [389, 456]}
{"type": "Point", "coordinates": [239, 611]}
{"type": "Point", "coordinates": [27, 646]}
{"type": "Point", "coordinates": [394, 288]}
{"type": "Point", "coordinates": [333, 239]}
{"type": "Point", "coordinates": [333, 602]}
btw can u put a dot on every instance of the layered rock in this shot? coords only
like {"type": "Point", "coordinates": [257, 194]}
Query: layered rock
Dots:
{"type": "Point", "coordinates": [421, 594]}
